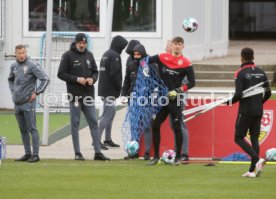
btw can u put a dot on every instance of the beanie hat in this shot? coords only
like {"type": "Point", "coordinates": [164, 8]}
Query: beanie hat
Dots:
{"type": "Point", "coordinates": [80, 37]}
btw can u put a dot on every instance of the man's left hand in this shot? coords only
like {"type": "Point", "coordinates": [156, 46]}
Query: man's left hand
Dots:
{"type": "Point", "coordinates": [33, 96]}
{"type": "Point", "coordinates": [90, 81]}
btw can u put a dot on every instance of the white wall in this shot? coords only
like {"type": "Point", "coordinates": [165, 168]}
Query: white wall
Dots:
{"type": "Point", "coordinates": [5, 99]}
{"type": "Point", "coordinates": [211, 38]}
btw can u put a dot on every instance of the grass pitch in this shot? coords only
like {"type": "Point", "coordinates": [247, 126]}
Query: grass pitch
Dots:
{"type": "Point", "coordinates": [68, 179]}
{"type": "Point", "coordinates": [9, 127]}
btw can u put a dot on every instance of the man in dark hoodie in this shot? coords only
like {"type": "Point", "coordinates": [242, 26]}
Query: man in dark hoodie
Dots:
{"type": "Point", "coordinates": [136, 53]}
{"type": "Point", "coordinates": [109, 87]}
{"type": "Point", "coordinates": [79, 70]}
{"type": "Point", "coordinates": [131, 71]}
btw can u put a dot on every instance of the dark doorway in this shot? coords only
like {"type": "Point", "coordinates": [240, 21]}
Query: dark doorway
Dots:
{"type": "Point", "coordinates": [252, 19]}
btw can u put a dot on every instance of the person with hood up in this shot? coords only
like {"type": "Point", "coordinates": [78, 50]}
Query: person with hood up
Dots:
{"type": "Point", "coordinates": [137, 52]}
{"type": "Point", "coordinates": [109, 87]}
{"type": "Point", "coordinates": [131, 71]}
{"type": "Point", "coordinates": [79, 70]}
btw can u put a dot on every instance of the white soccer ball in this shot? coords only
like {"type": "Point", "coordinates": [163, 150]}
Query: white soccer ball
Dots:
{"type": "Point", "coordinates": [190, 24]}
{"type": "Point", "coordinates": [270, 154]}
{"type": "Point", "coordinates": [168, 156]}
{"type": "Point", "coordinates": [132, 147]}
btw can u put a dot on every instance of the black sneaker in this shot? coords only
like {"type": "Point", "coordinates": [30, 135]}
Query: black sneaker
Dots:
{"type": "Point", "coordinates": [146, 156]}
{"type": "Point", "coordinates": [131, 157]}
{"type": "Point", "coordinates": [184, 159]}
{"type": "Point", "coordinates": [34, 158]}
{"type": "Point", "coordinates": [111, 144]}
{"type": "Point", "coordinates": [24, 157]}
{"type": "Point", "coordinates": [176, 161]}
{"type": "Point", "coordinates": [154, 161]}
{"type": "Point", "coordinates": [103, 147]}
{"type": "Point", "coordinates": [100, 156]}
{"type": "Point", "coordinates": [79, 156]}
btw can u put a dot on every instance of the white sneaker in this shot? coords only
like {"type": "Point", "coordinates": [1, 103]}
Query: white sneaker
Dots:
{"type": "Point", "coordinates": [249, 174]}
{"type": "Point", "coordinates": [259, 166]}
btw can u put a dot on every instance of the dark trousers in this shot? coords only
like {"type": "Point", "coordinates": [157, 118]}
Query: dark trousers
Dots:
{"type": "Point", "coordinates": [26, 118]}
{"type": "Point", "coordinates": [253, 125]}
{"type": "Point", "coordinates": [176, 115]}
{"type": "Point", "coordinates": [106, 120]}
{"type": "Point", "coordinates": [89, 112]}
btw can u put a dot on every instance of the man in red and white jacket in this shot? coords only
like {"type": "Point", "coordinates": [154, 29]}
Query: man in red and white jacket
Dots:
{"type": "Point", "coordinates": [173, 67]}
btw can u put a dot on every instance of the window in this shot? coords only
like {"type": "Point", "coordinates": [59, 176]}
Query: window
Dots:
{"type": "Point", "coordinates": [68, 16]}
{"type": "Point", "coordinates": [137, 16]}
{"type": "Point", "coordinates": [252, 19]}
{"type": "Point", "coordinates": [129, 17]}
{"type": "Point", "coordinates": [134, 15]}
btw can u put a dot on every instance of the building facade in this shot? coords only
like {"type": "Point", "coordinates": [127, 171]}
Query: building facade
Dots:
{"type": "Point", "coordinates": [153, 22]}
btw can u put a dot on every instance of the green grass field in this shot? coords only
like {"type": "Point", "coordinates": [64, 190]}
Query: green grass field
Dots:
{"type": "Point", "coordinates": [68, 179]}
{"type": "Point", "coordinates": [9, 127]}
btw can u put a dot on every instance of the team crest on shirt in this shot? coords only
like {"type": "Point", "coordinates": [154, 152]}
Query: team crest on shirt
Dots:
{"type": "Point", "coordinates": [25, 68]}
{"type": "Point", "coordinates": [88, 62]}
{"type": "Point", "coordinates": [266, 126]}
{"type": "Point", "coordinates": [15, 70]}
{"type": "Point", "coordinates": [180, 62]}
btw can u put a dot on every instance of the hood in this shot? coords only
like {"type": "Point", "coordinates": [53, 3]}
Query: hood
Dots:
{"type": "Point", "coordinates": [141, 49]}
{"type": "Point", "coordinates": [118, 44]}
{"type": "Point", "coordinates": [131, 45]}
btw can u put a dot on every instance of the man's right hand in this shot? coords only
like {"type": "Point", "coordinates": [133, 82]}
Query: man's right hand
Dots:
{"type": "Point", "coordinates": [172, 94]}
{"type": "Point", "coordinates": [124, 100]}
{"type": "Point", "coordinates": [81, 80]}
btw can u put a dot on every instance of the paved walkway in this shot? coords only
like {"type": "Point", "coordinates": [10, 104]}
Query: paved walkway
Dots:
{"type": "Point", "coordinates": [265, 53]}
{"type": "Point", "coordinates": [63, 149]}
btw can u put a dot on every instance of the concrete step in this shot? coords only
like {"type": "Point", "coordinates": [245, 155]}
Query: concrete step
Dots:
{"type": "Point", "coordinates": [217, 83]}
{"type": "Point", "coordinates": [214, 83]}
{"type": "Point", "coordinates": [224, 75]}
{"type": "Point", "coordinates": [224, 67]}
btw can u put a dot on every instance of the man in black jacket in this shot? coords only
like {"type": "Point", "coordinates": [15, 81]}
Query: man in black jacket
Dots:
{"type": "Point", "coordinates": [109, 87]}
{"type": "Point", "coordinates": [131, 71]}
{"type": "Point", "coordinates": [250, 109]}
{"type": "Point", "coordinates": [79, 70]}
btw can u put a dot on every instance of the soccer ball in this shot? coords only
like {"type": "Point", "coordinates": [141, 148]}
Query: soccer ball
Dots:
{"type": "Point", "coordinates": [190, 24]}
{"type": "Point", "coordinates": [270, 154]}
{"type": "Point", "coordinates": [132, 147]}
{"type": "Point", "coordinates": [168, 156]}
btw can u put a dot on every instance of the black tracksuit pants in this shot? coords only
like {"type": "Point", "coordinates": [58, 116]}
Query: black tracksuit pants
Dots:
{"type": "Point", "coordinates": [175, 110]}
{"type": "Point", "coordinates": [253, 125]}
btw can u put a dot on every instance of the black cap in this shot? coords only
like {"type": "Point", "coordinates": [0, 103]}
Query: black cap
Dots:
{"type": "Point", "coordinates": [80, 37]}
